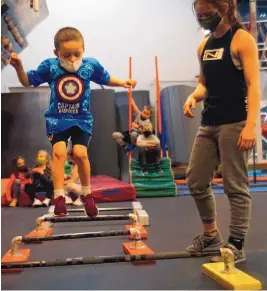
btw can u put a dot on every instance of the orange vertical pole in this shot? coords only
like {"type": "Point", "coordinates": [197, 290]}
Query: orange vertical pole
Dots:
{"type": "Point", "coordinates": [130, 97]}
{"type": "Point", "coordinates": [158, 105]}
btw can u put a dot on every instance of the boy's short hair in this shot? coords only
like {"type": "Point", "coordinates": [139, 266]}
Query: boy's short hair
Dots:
{"type": "Point", "coordinates": [149, 108]}
{"type": "Point", "coordinates": [67, 34]}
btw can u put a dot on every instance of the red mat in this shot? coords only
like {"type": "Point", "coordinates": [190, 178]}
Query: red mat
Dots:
{"type": "Point", "coordinates": [104, 189]}
{"type": "Point", "coordinates": [108, 189]}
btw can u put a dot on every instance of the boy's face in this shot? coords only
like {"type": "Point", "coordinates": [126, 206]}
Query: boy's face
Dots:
{"type": "Point", "coordinates": [147, 128]}
{"type": "Point", "coordinates": [71, 51]}
{"type": "Point", "coordinates": [146, 113]}
{"type": "Point", "coordinates": [20, 163]}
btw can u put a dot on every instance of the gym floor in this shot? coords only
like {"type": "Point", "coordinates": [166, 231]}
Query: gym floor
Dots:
{"type": "Point", "coordinates": [174, 222]}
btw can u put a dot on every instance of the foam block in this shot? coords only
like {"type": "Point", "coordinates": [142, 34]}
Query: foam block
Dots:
{"type": "Point", "coordinates": [39, 233]}
{"type": "Point", "coordinates": [236, 281]}
{"type": "Point", "coordinates": [142, 217]}
{"type": "Point", "coordinates": [136, 206]}
{"type": "Point", "coordinates": [108, 189]}
{"type": "Point", "coordinates": [129, 249]}
{"type": "Point", "coordinates": [22, 255]}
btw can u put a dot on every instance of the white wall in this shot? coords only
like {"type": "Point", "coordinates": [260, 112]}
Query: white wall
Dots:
{"type": "Point", "coordinates": [116, 29]}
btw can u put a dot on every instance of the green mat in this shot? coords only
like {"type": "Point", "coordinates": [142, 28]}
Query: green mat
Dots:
{"type": "Point", "coordinates": [153, 184]}
{"type": "Point", "coordinates": [67, 167]}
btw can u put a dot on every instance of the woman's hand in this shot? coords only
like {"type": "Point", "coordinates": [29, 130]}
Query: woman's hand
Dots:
{"type": "Point", "coordinates": [247, 138]}
{"type": "Point", "coordinates": [190, 103]}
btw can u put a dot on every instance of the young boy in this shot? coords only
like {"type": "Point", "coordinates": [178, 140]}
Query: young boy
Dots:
{"type": "Point", "coordinates": [148, 149]}
{"type": "Point", "coordinates": [68, 114]}
{"type": "Point", "coordinates": [127, 139]}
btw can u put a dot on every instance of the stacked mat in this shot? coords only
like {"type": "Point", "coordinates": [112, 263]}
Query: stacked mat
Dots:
{"type": "Point", "coordinates": [153, 184]}
{"type": "Point", "coordinates": [180, 130]}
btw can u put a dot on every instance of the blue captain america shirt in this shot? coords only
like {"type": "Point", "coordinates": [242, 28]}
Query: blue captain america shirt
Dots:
{"type": "Point", "coordinates": [70, 93]}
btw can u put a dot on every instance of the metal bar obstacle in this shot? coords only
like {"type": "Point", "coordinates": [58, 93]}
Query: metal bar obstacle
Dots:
{"type": "Point", "coordinates": [135, 207]}
{"type": "Point", "coordinates": [83, 218]}
{"type": "Point", "coordinates": [109, 259]}
{"type": "Point", "coordinates": [43, 224]}
{"type": "Point", "coordinates": [224, 273]}
{"type": "Point", "coordinates": [141, 218]}
{"type": "Point", "coordinates": [16, 241]}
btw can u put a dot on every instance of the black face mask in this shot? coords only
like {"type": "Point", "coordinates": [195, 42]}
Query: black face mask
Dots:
{"type": "Point", "coordinates": [147, 133]}
{"type": "Point", "coordinates": [210, 23]}
{"type": "Point", "coordinates": [22, 169]}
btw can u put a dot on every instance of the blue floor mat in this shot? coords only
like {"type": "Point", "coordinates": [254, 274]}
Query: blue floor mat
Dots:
{"type": "Point", "coordinates": [259, 187]}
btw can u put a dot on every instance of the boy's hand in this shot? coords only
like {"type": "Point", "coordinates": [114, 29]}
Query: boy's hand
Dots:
{"type": "Point", "coordinates": [15, 61]}
{"type": "Point", "coordinates": [38, 170]}
{"type": "Point", "coordinates": [129, 83]}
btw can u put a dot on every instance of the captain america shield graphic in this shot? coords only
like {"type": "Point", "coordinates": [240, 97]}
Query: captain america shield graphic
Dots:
{"type": "Point", "coordinates": [70, 88]}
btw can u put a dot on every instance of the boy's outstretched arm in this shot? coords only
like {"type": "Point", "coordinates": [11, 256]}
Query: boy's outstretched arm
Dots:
{"type": "Point", "coordinates": [121, 83]}
{"type": "Point", "coordinates": [15, 61]}
{"type": "Point", "coordinates": [135, 108]}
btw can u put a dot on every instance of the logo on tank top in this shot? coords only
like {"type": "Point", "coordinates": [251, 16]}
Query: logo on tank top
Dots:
{"type": "Point", "coordinates": [70, 88]}
{"type": "Point", "coordinates": [213, 55]}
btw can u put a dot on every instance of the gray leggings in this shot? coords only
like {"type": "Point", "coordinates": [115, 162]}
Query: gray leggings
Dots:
{"type": "Point", "coordinates": [215, 144]}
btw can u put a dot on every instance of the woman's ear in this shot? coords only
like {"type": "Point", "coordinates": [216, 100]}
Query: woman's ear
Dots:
{"type": "Point", "coordinates": [55, 52]}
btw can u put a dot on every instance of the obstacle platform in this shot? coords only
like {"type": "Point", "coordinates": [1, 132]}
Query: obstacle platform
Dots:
{"type": "Point", "coordinates": [181, 274]}
{"type": "Point", "coordinates": [153, 184]}
{"type": "Point", "coordinates": [108, 189]}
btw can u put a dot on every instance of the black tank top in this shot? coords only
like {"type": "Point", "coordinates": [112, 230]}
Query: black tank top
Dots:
{"type": "Point", "coordinates": [226, 86]}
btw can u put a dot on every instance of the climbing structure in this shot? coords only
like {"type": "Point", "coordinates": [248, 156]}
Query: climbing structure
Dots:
{"type": "Point", "coordinates": [152, 184]}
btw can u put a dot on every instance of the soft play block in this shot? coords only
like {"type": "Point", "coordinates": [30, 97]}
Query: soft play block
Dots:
{"type": "Point", "coordinates": [4, 201]}
{"type": "Point", "coordinates": [235, 281]}
{"type": "Point", "coordinates": [21, 256]}
{"type": "Point", "coordinates": [39, 233]}
{"type": "Point", "coordinates": [108, 189]}
{"type": "Point", "coordinates": [153, 184]}
{"type": "Point", "coordinates": [41, 196]}
{"type": "Point", "coordinates": [4, 183]}
{"type": "Point", "coordinates": [24, 200]}
{"type": "Point", "coordinates": [143, 250]}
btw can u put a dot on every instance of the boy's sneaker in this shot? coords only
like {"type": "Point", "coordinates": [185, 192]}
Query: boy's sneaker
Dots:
{"type": "Point", "coordinates": [203, 243]}
{"type": "Point", "coordinates": [68, 200]}
{"type": "Point", "coordinates": [78, 202]}
{"type": "Point", "coordinates": [89, 206]}
{"type": "Point", "coordinates": [46, 202]}
{"type": "Point", "coordinates": [60, 206]}
{"type": "Point", "coordinates": [239, 255]}
{"type": "Point", "coordinates": [13, 203]}
{"type": "Point", "coordinates": [129, 148]}
{"type": "Point", "coordinates": [37, 203]}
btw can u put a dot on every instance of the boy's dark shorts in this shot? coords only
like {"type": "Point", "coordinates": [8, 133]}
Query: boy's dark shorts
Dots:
{"type": "Point", "coordinates": [78, 136]}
